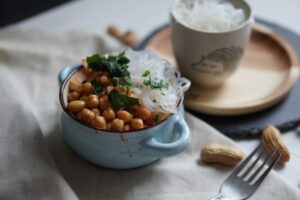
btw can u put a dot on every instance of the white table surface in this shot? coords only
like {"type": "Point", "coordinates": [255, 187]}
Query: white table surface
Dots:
{"type": "Point", "coordinates": [145, 15]}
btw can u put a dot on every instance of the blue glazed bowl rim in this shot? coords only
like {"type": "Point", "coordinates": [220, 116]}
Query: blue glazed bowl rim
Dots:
{"type": "Point", "coordinates": [62, 104]}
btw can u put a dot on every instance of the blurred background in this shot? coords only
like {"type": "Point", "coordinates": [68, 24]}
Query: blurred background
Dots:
{"type": "Point", "coordinates": [12, 11]}
{"type": "Point", "coordinates": [99, 13]}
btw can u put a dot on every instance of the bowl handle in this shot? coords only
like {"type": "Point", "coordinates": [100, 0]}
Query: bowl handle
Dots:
{"type": "Point", "coordinates": [64, 73]}
{"type": "Point", "coordinates": [158, 149]}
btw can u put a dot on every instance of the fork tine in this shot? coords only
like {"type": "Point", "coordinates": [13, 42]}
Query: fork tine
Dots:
{"type": "Point", "coordinates": [261, 166]}
{"type": "Point", "coordinates": [262, 177]}
{"type": "Point", "coordinates": [245, 162]}
{"type": "Point", "coordinates": [254, 163]}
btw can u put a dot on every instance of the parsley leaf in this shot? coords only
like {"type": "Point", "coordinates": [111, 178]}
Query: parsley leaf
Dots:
{"type": "Point", "coordinates": [132, 110]}
{"type": "Point", "coordinates": [166, 85]}
{"type": "Point", "coordinates": [146, 73]}
{"type": "Point", "coordinates": [119, 100]}
{"type": "Point", "coordinates": [125, 81]}
{"type": "Point", "coordinates": [122, 60]}
{"type": "Point", "coordinates": [116, 81]}
{"type": "Point", "coordinates": [116, 65]}
{"type": "Point", "coordinates": [97, 88]}
{"type": "Point", "coordinates": [155, 118]}
{"type": "Point", "coordinates": [156, 83]}
{"type": "Point", "coordinates": [94, 62]}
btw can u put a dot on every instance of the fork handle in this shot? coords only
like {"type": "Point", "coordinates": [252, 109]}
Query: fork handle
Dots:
{"type": "Point", "coordinates": [219, 197]}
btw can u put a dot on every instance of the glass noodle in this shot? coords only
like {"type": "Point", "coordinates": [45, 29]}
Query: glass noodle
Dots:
{"type": "Point", "coordinates": [145, 65]}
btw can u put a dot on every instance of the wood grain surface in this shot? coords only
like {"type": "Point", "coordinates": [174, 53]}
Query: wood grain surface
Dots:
{"type": "Point", "coordinates": [267, 72]}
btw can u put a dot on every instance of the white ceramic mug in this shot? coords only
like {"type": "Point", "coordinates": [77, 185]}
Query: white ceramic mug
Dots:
{"type": "Point", "coordinates": [209, 58]}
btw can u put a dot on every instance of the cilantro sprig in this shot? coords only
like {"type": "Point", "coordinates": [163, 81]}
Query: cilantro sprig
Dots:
{"type": "Point", "coordinates": [97, 88]}
{"type": "Point", "coordinates": [155, 117]}
{"type": "Point", "coordinates": [116, 65]}
{"type": "Point", "coordinates": [146, 73]}
{"type": "Point", "coordinates": [155, 83]}
{"type": "Point", "coordinates": [119, 100]}
{"type": "Point", "coordinates": [125, 82]}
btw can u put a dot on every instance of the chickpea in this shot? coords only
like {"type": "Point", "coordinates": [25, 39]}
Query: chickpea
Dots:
{"type": "Point", "coordinates": [132, 94]}
{"type": "Point", "coordinates": [126, 127]}
{"type": "Point", "coordinates": [137, 123]}
{"type": "Point", "coordinates": [75, 85]}
{"type": "Point", "coordinates": [104, 80]}
{"type": "Point", "coordinates": [87, 115]}
{"type": "Point", "coordinates": [150, 122]}
{"type": "Point", "coordinates": [108, 126]}
{"type": "Point", "coordinates": [84, 63]}
{"type": "Point", "coordinates": [163, 116]}
{"type": "Point", "coordinates": [84, 98]}
{"type": "Point", "coordinates": [109, 114]}
{"type": "Point", "coordinates": [79, 116]}
{"type": "Point", "coordinates": [117, 124]}
{"type": "Point", "coordinates": [76, 106]}
{"type": "Point", "coordinates": [73, 96]}
{"type": "Point", "coordinates": [121, 89]}
{"type": "Point", "coordinates": [92, 76]}
{"type": "Point", "coordinates": [109, 89]}
{"type": "Point", "coordinates": [85, 71]}
{"type": "Point", "coordinates": [87, 87]}
{"type": "Point", "coordinates": [103, 73]}
{"type": "Point", "coordinates": [133, 109]}
{"type": "Point", "coordinates": [103, 102]}
{"type": "Point", "coordinates": [96, 111]}
{"type": "Point", "coordinates": [100, 122]}
{"type": "Point", "coordinates": [124, 115]}
{"type": "Point", "coordinates": [143, 113]}
{"type": "Point", "coordinates": [93, 101]}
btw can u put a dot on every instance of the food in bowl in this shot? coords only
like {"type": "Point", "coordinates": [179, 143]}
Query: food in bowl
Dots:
{"type": "Point", "coordinates": [209, 15]}
{"type": "Point", "coordinates": [130, 91]}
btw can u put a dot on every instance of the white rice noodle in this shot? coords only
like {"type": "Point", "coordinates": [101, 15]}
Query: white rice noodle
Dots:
{"type": "Point", "coordinates": [156, 100]}
{"type": "Point", "coordinates": [209, 15]}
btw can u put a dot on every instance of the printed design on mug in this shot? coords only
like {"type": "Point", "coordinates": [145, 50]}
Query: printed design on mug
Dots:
{"type": "Point", "coordinates": [214, 62]}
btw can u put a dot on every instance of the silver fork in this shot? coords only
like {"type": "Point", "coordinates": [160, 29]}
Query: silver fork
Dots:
{"type": "Point", "coordinates": [241, 184]}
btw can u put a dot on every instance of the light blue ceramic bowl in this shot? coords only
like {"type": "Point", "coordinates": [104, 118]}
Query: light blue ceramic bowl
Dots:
{"type": "Point", "coordinates": [122, 150]}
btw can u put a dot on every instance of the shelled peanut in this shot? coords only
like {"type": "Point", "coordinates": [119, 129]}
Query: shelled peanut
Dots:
{"type": "Point", "coordinates": [230, 155]}
{"type": "Point", "coordinates": [128, 38]}
{"type": "Point", "coordinates": [216, 153]}
{"type": "Point", "coordinates": [271, 138]}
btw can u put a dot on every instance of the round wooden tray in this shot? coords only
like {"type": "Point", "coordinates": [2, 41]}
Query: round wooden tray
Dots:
{"type": "Point", "coordinates": [267, 72]}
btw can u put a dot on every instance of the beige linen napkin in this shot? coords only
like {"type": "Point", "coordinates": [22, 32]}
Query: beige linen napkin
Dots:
{"type": "Point", "coordinates": [36, 163]}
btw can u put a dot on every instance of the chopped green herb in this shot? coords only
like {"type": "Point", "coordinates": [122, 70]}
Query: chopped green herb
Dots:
{"type": "Point", "coordinates": [123, 60]}
{"type": "Point", "coordinates": [155, 118]}
{"type": "Point", "coordinates": [97, 88]}
{"type": "Point", "coordinates": [116, 81]}
{"type": "Point", "coordinates": [119, 100]}
{"type": "Point", "coordinates": [156, 83]}
{"type": "Point", "coordinates": [166, 85]}
{"type": "Point", "coordinates": [116, 65]}
{"type": "Point", "coordinates": [163, 94]}
{"type": "Point", "coordinates": [132, 110]}
{"type": "Point", "coordinates": [146, 73]}
{"type": "Point", "coordinates": [125, 81]}
{"type": "Point", "coordinates": [154, 101]}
